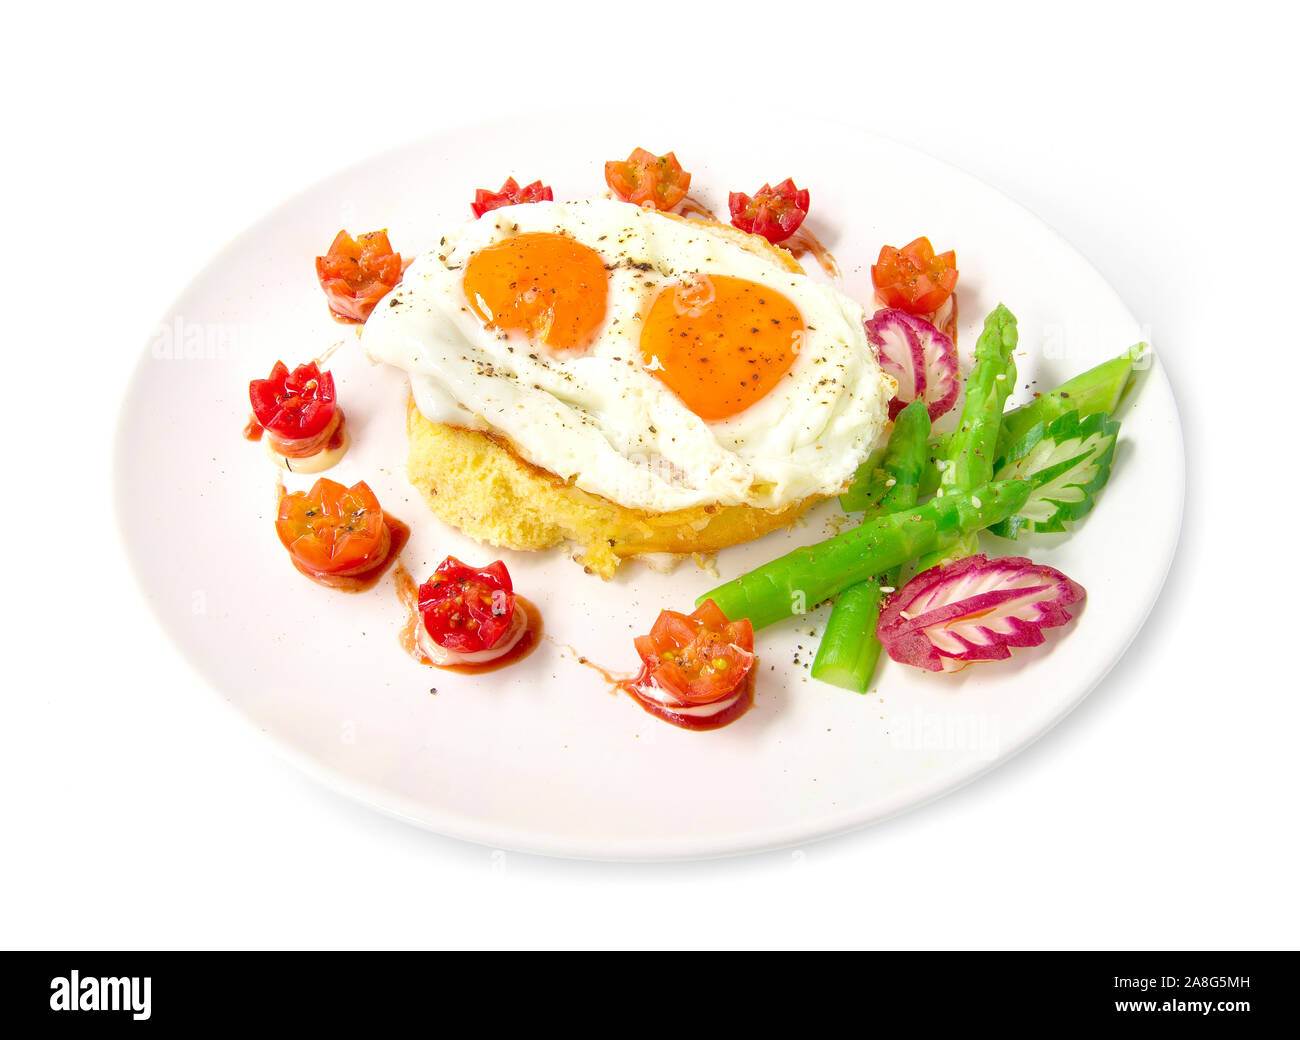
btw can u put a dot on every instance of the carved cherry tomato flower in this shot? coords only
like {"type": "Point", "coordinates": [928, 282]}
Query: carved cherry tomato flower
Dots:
{"type": "Point", "coordinates": [294, 406]}
{"type": "Point", "coordinates": [915, 278]}
{"type": "Point", "coordinates": [697, 658]}
{"type": "Point", "coordinates": [774, 213]}
{"type": "Point", "coordinates": [648, 179]}
{"type": "Point", "coordinates": [697, 670]}
{"type": "Point", "coordinates": [510, 195]}
{"type": "Point", "coordinates": [357, 273]}
{"type": "Point", "coordinates": [467, 610]}
{"type": "Point", "coordinates": [332, 529]}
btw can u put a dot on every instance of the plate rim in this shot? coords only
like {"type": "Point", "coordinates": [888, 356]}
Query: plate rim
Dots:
{"type": "Point", "coordinates": [460, 827]}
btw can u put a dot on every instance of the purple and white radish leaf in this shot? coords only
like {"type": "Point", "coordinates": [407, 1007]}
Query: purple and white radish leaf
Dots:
{"type": "Point", "coordinates": [974, 609]}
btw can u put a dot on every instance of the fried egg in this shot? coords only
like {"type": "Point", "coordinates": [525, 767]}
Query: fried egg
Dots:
{"type": "Point", "coordinates": [657, 362]}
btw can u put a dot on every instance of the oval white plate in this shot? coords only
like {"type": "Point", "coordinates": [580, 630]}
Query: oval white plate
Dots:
{"type": "Point", "coordinates": [542, 757]}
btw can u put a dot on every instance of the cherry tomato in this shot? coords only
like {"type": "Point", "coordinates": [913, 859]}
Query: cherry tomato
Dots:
{"type": "Point", "coordinates": [333, 529]}
{"type": "Point", "coordinates": [915, 279]}
{"type": "Point", "coordinates": [467, 610]}
{"type": "Point", "coordinates": [357, 273]}
{"type": "Point", "coordinates": [294, 405]}
{"type": "Point", "coordinates": [697, 658]}
{"type": "Point", "coordinates": [648, 179]}
{"type": "Point", "coordinates": [774, 213]}
{"type": "Point", "coordinates": [510, 195]}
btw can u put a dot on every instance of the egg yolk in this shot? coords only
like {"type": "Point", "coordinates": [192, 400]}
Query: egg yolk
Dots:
{"type": "Point", "coordinates": [720, 343]}
{"type": "Point", "coordinates": [548, 286]}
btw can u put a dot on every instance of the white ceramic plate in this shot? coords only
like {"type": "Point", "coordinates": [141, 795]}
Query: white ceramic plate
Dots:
{"type": "Point", "coordinates": [542, 757]}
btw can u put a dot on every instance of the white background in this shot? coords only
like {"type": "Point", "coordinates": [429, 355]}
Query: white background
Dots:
{"type": "Point", "coordinates": [139, 812]}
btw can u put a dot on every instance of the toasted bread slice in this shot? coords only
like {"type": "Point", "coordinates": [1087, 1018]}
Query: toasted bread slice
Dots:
{"type": "Point", "coordinates": [476, 482]}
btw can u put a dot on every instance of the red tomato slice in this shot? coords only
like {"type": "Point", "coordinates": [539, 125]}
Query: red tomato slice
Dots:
{"type": "Point", "coordinates": [697, 658]}
{"type": "Point", "coordinates": [333, 529]}
{"type": "Point", "coordinates": [467, 610]}
{"type": "Point", "coordinates": [510, 195]}
{"type": "Point", "coordinates": [294, 405]}
{"type": "Point", "coordinates": [915, 279]}
{"type": "Point", "coordinates": [357, 273]}
{"type": "Point", "coordinates": [648, 179]}
{"type": "Point", "coordinates": [774, 213]}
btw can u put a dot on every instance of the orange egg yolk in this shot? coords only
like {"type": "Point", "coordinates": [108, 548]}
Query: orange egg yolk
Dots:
{"type": "Point", "coordinates": [548, 286]}
{"type": "Point", "coordinates": [720, 343]}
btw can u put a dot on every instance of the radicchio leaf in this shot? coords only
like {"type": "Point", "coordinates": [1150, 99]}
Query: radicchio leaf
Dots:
{"type": "Point", "coordinates": [1068, 460]}
{"type": "Point", "coordinates": [920, 357]}
{"type": "Point", "coordinates": [975, 609]}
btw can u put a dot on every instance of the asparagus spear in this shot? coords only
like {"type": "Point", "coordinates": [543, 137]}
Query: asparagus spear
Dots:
{"type": "Point", "coordinates": [1095, 391]}
{"type": "Point", "coordinates": [1099, 389]}
{"type": "Point", "coordinates": [900, 462]}
{"type": "Point", "coordinates": [974, 445]}
{"type": "Point", "coordinates": [870, 483]}
{"type": "Point", "coordinates": [969, 460]}
{"type": "Point", "coordinates": [849, 649]}
{"type": "Point", "coordinates": [805, 577]}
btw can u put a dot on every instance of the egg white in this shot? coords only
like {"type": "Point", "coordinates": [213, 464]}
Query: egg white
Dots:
{"type": "Point", "coordinates": [602, 420]}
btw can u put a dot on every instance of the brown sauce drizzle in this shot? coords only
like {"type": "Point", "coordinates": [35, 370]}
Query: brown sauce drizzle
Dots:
{"type": "Point", "coordinates": [628, 683]}
{"type": "Point", "coordinates": [616, 680]}
{"type": "Point", "coordinates": [408, 591]}
{"type": "Point", "coordinates": [327, 353]}
{"type": "Point", "coordinates": [691, 208]}
{"type": "Point", "coordinates": [949, 327]}
{"type": "Point", "coordinates": [803, 243]}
